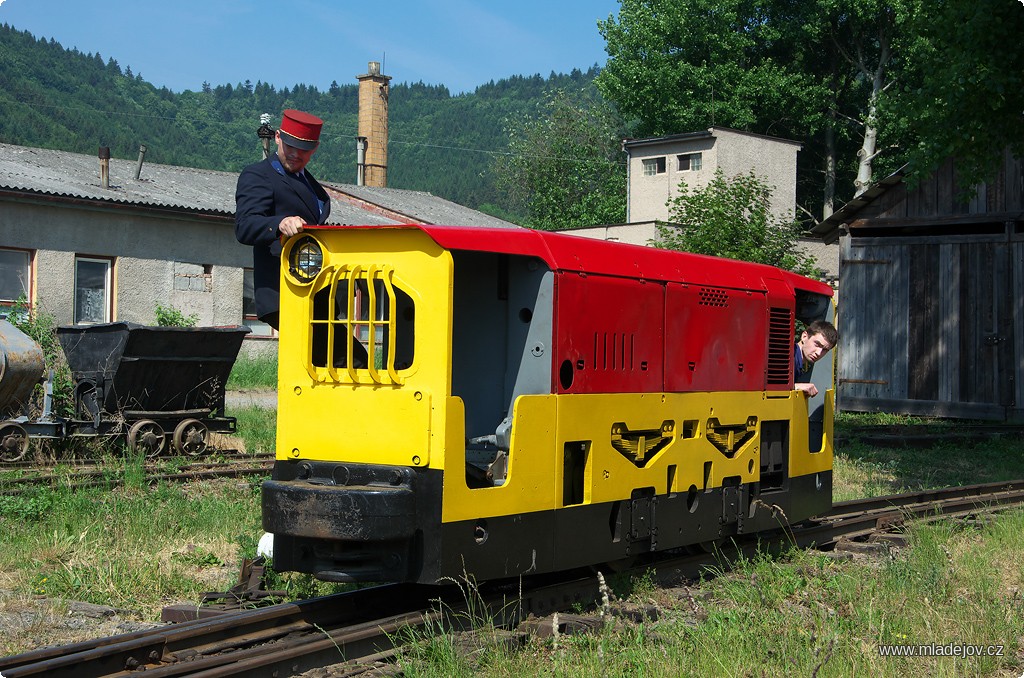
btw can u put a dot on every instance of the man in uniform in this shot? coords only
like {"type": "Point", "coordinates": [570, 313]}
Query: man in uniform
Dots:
{"type": "Point", "coordinates": [275, 198]}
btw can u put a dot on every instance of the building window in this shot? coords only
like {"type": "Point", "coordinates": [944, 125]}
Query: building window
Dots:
{"type": "Point", "coordinates": [249, 319]}
{"type": "Point", "coordinates": [690, 162]}
{"type": "Point", "coordinates": [15, 278]}
{"type": "Point", "coordinates": [654, 166]}
{"type": "Point", "coordinates": [92, 290]}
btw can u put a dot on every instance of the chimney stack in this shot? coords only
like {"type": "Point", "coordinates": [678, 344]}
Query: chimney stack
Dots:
{"type": "Point", "coordinates": [142, 156]}
{"type": "Point", "coordinates": [360, 160]}
{"type": "Point", "coordinates": [373, 125]}
{"type": "Point", "coordinates": [105, 166]}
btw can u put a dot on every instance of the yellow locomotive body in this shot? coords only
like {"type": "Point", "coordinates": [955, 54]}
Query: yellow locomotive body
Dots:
{"type": "Point", "coordinates": [498, 403]}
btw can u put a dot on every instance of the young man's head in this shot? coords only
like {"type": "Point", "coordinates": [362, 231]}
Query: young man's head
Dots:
{"type": "Point", "coordinates": [819, 338]}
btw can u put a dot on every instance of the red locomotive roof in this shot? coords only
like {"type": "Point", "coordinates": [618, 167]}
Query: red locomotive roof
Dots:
{"type": "Point", "coordinates": [563, 252]}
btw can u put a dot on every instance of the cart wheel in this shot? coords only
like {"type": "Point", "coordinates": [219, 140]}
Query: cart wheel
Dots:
{"type": "Point", "coordinates": [147, 437]}
{"type": "Point", "coordinates": [13, 442]}
{"type": "Point", "coordinates": [191, 437]}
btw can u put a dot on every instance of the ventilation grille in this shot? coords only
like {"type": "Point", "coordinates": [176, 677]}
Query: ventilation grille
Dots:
{"type": "Point", "coordinates": [780, 345]}
{"type": "Point", "coordinates": [614, 351]}
{"type": "Point", "coordinates": [713, 296]}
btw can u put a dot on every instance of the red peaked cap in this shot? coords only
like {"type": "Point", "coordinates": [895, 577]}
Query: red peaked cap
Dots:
{"type": "Point", "coordinates": [300, 130]}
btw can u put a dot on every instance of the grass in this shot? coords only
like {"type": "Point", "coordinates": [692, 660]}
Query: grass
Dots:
{"type": "Point", "coordinates": [862, 470]}
{"type": "Point", "coordinates": [253, 374]}
{"type": "Point", "coordinates": [257, 428]}
{"type": "Point", "coordinates": [802, 614]}
{"type": "Point", "coordinates": [140, 548]}
{"type": "Point", "coordinates": [133, 548]}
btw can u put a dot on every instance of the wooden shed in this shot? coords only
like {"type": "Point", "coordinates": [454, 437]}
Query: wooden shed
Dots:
{"type": "Point", "coordinates": [930, 305]}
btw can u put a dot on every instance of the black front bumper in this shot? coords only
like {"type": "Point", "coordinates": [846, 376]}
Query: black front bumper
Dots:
{"type": "Point", "coordinates": [351, 522]}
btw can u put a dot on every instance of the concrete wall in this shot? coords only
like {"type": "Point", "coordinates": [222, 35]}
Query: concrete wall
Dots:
{"type": "Point", "coordinates": [649, 195]}
{"type": "Point", "coordinates": [633, 234]}
{"type": "Point", "coordinates": [192, 263]}
{"type": "Point", "coordinates": [774, 160]}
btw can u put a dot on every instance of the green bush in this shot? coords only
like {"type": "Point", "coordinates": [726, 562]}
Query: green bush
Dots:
{"type": "Point", "coordinates": [41, 327]}
{"type": "Point", "coordinates": [168, 316]}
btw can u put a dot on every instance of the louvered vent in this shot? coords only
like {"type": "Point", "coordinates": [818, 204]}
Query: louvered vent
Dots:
{"type": "Point", "coordinates": [613, 351]}
{"type": "Point", "coordinates": [780, 346]}
{"type": "Point", "coordinates": [713, 296]}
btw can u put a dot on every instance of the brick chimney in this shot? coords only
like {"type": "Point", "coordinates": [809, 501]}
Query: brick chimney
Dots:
{"type": "Point", "coordinates": [373, 125]}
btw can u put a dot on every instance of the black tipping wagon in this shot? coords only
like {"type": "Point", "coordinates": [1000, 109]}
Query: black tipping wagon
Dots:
{"type": "Point", "coordinates": [156, 385]}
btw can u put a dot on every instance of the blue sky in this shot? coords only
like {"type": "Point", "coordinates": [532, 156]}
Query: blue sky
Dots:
{"type": "Point", "coordinates": [457, 43]}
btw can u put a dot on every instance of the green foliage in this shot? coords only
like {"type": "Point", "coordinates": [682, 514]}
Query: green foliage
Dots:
{"type": "Point", "coordinates": [682, 66]}
{"type": "Point", "coordinates": [41, 327]}
{"type": "Point", "coordinates": [169, 316]}
{"type": "Point", "coordinates": [964, 95]}
{"type": "Point", "coordinates": [866, 85]}
{"type": "Point", "coordinates": [732, 218]}
{"type": "Point", "coordinates": [564, 168]}
{"type": "Point", "coordinates": [197, 557]}
{"type": "Point", "coordinates": [30, 506]}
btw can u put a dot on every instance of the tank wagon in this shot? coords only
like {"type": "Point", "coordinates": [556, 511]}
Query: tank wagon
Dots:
{"type": "Point", "coordinates": [499, 402]}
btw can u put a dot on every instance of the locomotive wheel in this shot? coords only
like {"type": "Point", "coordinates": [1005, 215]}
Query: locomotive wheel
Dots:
{"type": "Point", "coordinates": [147, 437]}
{"type": "Point", "coordinates": [191, 437]}
{"type": "Point", "coordinates": [13, 442]}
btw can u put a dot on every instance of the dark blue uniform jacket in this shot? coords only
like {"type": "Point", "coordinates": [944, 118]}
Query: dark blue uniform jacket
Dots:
{"type": "Point", "coordinates": [265, 195]}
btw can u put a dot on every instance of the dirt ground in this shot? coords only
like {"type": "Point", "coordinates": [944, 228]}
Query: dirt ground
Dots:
{"type": "Point", "coordinates": [266, 399]}
{"type": "Point", "coordinates": [38, 622]}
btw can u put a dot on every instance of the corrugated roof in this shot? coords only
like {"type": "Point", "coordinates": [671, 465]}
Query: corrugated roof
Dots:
{"type": "Point", "coordinates": [422, 206]}
{"type": "Point", "coordinates": [59, 173]}
{"type": "Point", "coordinates": [709, 132]}
{"type": "Point", "coordinates": [77, 176]}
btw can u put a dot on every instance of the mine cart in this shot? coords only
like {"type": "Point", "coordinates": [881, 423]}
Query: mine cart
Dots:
{"type": "Point", "coordinates": [152, 384]}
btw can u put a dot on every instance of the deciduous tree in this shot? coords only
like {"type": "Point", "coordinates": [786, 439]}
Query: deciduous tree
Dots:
{"type": "Point", "coordinates": [732, 217]}
{"type": "Point", "coordinates": [964, 95]}
{"type": "Point", "coordinates": [565, 168]}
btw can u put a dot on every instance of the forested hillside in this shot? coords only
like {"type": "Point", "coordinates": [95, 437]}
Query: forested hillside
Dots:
{"type": "Point", "coordinates": [52, 97]}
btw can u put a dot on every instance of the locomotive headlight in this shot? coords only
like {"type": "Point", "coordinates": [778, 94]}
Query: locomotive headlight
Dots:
{"type": "Point", "coordinates": [305, 259]}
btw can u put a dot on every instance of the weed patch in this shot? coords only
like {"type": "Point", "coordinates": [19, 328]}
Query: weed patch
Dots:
{"type": "Point", "coordinates": [253, 373]}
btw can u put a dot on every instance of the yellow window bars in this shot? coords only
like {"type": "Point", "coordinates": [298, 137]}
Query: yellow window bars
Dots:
{"type": "Point", "coordinates": [353, 331]}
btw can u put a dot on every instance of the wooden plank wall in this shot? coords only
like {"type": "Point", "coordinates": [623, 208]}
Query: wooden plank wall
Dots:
{"type": "Point", "coordinates": [1017, 265]}
{"type": "Point", "coordinates": [940, 195]}
{"type": "Point", "coordinates": [931, 325]}
{"type": "Point", "coordinates": [873, 334]}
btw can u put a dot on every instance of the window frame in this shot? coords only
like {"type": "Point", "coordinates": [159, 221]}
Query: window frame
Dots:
{"type": "Point", "coordinates": [653, 166]}
{"type": "Point", "coordinates": [694, 162]}
{"type": "Point", "coordinates": [108, 288]}
{"type": "Point", "coordinates": [29, 271]}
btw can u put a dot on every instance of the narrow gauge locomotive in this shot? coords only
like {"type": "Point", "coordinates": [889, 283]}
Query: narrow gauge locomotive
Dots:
{"type": "Point", "coordinates": [499, 402]}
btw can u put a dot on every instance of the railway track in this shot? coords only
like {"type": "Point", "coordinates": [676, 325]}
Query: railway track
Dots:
{"type": "Point", "coordinates": [32, 465]}
{"type": "Point", "coordinates": [364, 627]}
{"type": "Point", "coordinates": [87, 477]}
{"type": "Point", "coordinates": [926, 435]}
